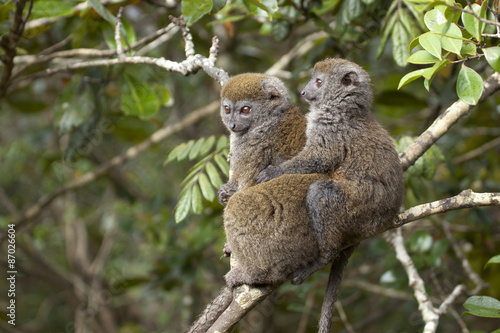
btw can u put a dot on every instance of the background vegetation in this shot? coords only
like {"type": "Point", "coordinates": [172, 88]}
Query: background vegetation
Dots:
{"type": "Point", "coordinates": [102, 251]}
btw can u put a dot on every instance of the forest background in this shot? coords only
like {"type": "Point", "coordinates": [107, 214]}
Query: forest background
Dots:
{"type": "Point", "coordinates": [105, 237]}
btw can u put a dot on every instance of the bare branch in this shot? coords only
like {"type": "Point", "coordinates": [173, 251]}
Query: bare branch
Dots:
{"type": "Point", "coordinates": [443, 123]}
{"type": "Point", "coordinates": [473, 276]}
{"type": "Point", "coordinates": [477, 152]}
{"type": "Point", "coordinates": [428, 311]}
{"type": "Point", "coordinates": [118, 39]}
{"type": "Point", "coordinates": [466, 199]}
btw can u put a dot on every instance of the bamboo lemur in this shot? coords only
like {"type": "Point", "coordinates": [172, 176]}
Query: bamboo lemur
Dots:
{"type": "Point", "coordinates": [365, 187]}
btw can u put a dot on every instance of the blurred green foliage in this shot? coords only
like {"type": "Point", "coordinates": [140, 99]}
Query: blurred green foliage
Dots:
{"type": "Point", "coordinates": [111, 254]}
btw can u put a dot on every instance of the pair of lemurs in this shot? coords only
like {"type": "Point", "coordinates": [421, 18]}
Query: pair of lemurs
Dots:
{"type": "Point", "coordinates": [325, 182]}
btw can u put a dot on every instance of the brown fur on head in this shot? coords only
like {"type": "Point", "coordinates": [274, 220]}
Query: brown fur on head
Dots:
{"type": "Point", "coordinates": [244, 86]}
{"type": "Point", "coordinates": [329, 64]}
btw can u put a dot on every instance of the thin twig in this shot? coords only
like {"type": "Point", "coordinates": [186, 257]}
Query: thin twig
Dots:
{"type": "Point", "coordinates": [118, 39]}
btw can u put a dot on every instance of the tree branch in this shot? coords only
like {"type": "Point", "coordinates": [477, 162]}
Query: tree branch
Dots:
{"type": "Point", "coordinates": [9, 43]}
{"type": "Point", "coordinates": [430, 314]}
{"type": "Point", "coordinates": [443, 123]}
{"type": "Point", "coordinates": [466, 199]}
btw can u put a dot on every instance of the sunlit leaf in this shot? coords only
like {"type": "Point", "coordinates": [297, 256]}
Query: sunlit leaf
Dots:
{"type": "Point", "coordinates": [494, 260]}
{"type": "Point", "coordinates": [183, 206]}
{"type": "Point", "coordinates": [410, 77]}
{"type": "Point", "coordinates": [430, 42]}
{"type": "Point", "coordinates": [492, 55]}
{"type": "Point", "coordinates": [195, 149]}
{"type": "Point", "coordinates": [207, 145]}
{"type": "Point", "coordinates": [196, 202]}
{"type": "Point", "coordinates": [482, 306]}
{"type": "Point", "coordinates": [469, 85]}
{"type": "Point", "coordinates": [206, 187]}
{"type": "Point", "coordinates": [222, 164]}
{"type": "Point", "coordinates": [184, 152]}
{"type": "Point", "coordinates": [422, 57]}
{"type": "Point", "coordinates": [214, 175]}
{"type": "Point", "coordinates": [193, 10]}
{"type": "Point", "coordinates": [471, 23]}
{"type": "Point", "coordinates": [429, 73]}
{"type": "Point", "coordinates": [434, 18]}
{"type": "Point", "coordinates": [222, 142]}
{"type": "Point", "coordinates": [451, 40]}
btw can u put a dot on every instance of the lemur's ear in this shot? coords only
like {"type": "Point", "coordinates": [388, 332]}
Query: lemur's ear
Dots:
{"type": "Point", "coordinates": [350, 79]}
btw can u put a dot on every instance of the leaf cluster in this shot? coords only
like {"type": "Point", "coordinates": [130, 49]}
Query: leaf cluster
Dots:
{"type": "Point", "coordinates": [453, 37]}
{"type": "Point", "coordinates": [204, 178]}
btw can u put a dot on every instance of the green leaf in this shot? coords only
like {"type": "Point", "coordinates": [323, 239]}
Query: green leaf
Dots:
{"type": "Point", "coordinates": [172, 155]}
{"type": "Point", "coordinates": [222, 164]}
{"type": "Point", "coordinates": [281, 30]}
{"type": "Point", "coordinates": [207, 188]}
{"type": "Point", "coordinates": [468, 49]}
{"type": "Point", "coordinates": [183, 206]}
{"type": "Point", "coordinates": [102, 11]}
{"type": "Point", "coordinates": [400, 40]}
{"type": "Point", "coordinates": [434, 18]}
{"type": "Point", "coordinates": [385, 34]}
{"type": "Point", "coordinates": [196, 202]}
{"type": "Point", "coordinates": [469, 85]}
{"type": "Point", "coordinates": [207, 145]}
{"type": "Point", "coordinates": [217, 5]}
{"type": "Point", "coordinates": [492, 261]}
{"type": "Point", "coordinates": [410, 77]}
{"type": "Point", "coordinates": [349, 10]}
{"type": "Point", "coordinates": [195, 149]}
{"type": "Point", "coordinates": [74, 106]}
{"type": "Point", "coordinates": [482, 306]}
{"type": "Point", "coordinates": [413, 44]}
{"type": "Point", "coordinates": [193, 10]}
{"type": "Point", "coordinates": [186, 149]}
{"type": "Point", "coordinates": [430, 42]}
{"type": "Point", "coordinates": [137, 98]}
{"type": "Point", "coordinates": [51, 8]}
{"type": "Point", "coordinates": [214, 175]}
{"type": "Point", "coordinates": [409, 23]}
{"type": "Point", "coordinates": [223, 142]}
{"type": "Point", "coordinates": [472, 24]}
{"type": "Point", "coordinates": [429, 73]}
{"type": "Point", "coordinates": [492, 55]}
{"type": "Point", "coordinates": [422, 57]}
{"type": "Point", "coordinates": [451, 40]}
{"type": "Point", "coordinates": [269, 6]}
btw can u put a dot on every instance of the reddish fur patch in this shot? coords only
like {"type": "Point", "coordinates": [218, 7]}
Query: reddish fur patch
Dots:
{"type": "Point", "coordinates": [244, 86]}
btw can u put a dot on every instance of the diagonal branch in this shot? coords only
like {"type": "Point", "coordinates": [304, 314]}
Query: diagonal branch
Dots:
{"type": "Point", "coordinates": [443, 123]}
{"type": "Point", "coordinates": [466, 199]}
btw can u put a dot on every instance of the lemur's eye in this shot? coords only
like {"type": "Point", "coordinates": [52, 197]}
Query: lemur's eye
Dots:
{"type": "Point", "coordinates": [319, 83]}
{"type": "Point", "coordinates": [227, 109]}
{"type": "Point", "coordinates": [245, 109]}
